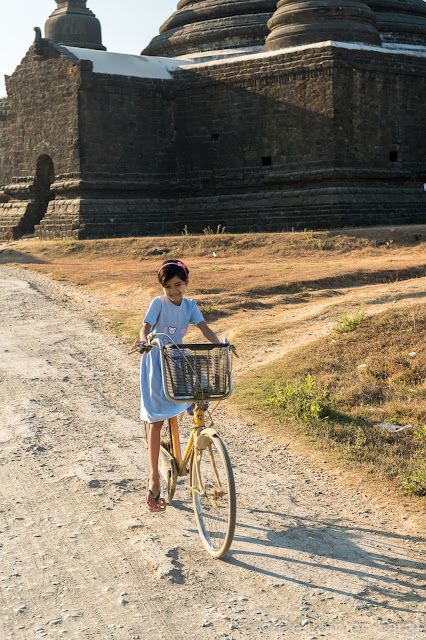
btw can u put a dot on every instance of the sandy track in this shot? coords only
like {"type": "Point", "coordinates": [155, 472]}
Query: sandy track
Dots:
{"type": "Point", "coordinates": [81, 558]}
{"type": "Point", "coordinates": [298, 324]}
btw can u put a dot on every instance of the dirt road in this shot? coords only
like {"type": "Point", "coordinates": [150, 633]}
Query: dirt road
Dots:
{"type": "Point", "coordinates": [80, 558]}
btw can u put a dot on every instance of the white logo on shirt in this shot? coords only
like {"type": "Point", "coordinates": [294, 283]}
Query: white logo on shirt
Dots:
{"type": "Point", "coordinates": [172, 330]}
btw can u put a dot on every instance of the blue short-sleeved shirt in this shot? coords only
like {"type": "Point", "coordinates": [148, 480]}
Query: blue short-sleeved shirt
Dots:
{"type": "Point", "coordinates": [172, 320]}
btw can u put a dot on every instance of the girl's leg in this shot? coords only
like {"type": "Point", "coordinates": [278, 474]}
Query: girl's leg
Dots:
{"type": "Point", "coordinates": [153, 453]}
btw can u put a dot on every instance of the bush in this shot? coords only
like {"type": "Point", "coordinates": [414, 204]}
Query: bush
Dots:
{"type": "Point", "coordinates": [348, 322]}
{"type": "Point", "coordinates": [300, 399]}
{"type": "Point", "coordinates": [415, 481]}
{"type": "Point", "coordinates": [421, 434]}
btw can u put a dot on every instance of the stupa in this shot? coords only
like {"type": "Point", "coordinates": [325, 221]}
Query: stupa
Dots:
{"type": "Point", "coordinates": [401, 21]}
{"type": "Point", "coordinates": [73, 24]}
{"type": "Point", "coordinates": [211, 25]}
{"type": "Point", "coordinates": [300, 22]}
{"type": "Point", "coordinates": [254, 115]}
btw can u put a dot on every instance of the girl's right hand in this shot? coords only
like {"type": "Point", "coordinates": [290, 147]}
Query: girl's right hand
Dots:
{"type": "Point", "coordinates": [142, 347]}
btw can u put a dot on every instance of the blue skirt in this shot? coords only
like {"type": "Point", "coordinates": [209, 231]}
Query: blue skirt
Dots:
{"type": "Point", "coordinates": [155, 407]}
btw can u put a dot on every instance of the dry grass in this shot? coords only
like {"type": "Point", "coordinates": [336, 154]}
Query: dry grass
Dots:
{"type": "Point", "coordinates": [374, 374]}
{"type": "Point", "coordinates": [249, 272]}
{"type": "Point", "coordinates": [277, 290]}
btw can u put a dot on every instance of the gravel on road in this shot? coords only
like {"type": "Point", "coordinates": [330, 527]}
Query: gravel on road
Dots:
{"type": "Point", "coordinates": [81, 558]}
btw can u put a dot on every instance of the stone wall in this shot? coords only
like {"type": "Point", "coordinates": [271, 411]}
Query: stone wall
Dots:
{"type": "Point", "coordinates": [43, 102]}
{"type": "Point", "coordinates": [41, 120]}
{"type": "Point", "coordinates": [305, 139]}
{"type": "Point", "coordinates": [4, 141]}
{"type": "Point", "coordinates": [127, 153]}
{"type": "Point", "coordinates": [256, 112]}
{"type": "Point", "coordinates": [323, 137]}
{"type": "Point", "coordinates": [126, 125]}
{"type": "Point", "coordinates": [378, 119]}
{"type": "Point", "coordinates": [320, 108]}
{"type": "Point", "coordinates": [328, 136]}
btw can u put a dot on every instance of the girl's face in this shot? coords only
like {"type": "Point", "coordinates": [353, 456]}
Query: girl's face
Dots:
{"type": "Point", "coordinates": [174, 289]}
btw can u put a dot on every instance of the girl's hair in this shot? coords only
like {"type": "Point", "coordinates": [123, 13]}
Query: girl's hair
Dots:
{"type": "Point", "coordinates": [171, 268]}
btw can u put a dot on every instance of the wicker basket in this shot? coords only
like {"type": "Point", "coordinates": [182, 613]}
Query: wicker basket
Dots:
{"type": "Point", "coordinates": [197, 371]}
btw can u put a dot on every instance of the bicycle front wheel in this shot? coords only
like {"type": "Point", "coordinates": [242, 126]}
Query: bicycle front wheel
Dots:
{"type": "Point", "coordinates": [213, 494]}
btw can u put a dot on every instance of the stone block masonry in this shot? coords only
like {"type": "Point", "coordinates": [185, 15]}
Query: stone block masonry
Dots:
{"type": "Point", "coordinates": [322, 137]}
{"type": "Point", "coordinates": [325, 136]}
{"type": "Point", "coordinates": [41, 121]}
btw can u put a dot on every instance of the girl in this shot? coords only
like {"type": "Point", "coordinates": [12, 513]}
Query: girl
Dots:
{"type": "Point", "coordinates": [169, 314]}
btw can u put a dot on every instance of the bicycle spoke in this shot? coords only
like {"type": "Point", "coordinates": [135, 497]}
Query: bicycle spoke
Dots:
{"type": "Point", "coordinates": [214, 497]}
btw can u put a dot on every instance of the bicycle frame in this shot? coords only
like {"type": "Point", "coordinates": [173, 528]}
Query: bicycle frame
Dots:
{"type": "Point", "coordinates": [194, 441]}
{"type": "Point", "coordinates": [205, 458]}
{"type": "Point", "coordinates": [199, 439]}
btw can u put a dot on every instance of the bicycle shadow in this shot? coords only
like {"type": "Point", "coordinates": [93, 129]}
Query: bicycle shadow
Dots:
{"type": "Point", "coordinates": [370, 563]}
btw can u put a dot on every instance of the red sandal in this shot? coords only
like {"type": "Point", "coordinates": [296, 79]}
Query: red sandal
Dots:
{"type": "Point", "coordinates": [161, 505]}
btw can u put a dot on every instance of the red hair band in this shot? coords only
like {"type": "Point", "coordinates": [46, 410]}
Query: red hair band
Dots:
{"type": "Point", "coordinates": [176, 264]}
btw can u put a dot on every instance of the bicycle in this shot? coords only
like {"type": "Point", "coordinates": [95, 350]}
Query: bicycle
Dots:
{"type": "Point", "coordinates": [198, 373]}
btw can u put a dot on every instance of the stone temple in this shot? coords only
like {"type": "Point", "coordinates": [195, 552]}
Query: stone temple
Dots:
{"type": "Point", "coordinates": [251, 114]}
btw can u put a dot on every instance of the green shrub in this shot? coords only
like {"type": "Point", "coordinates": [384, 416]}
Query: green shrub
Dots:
{"type": "Point", "coordinates": [421, 433]}
{"type": "Point", "coordinates": [300, 399]}
{"type": "Point", "coordinates": [349, 321]}
{"type": "Point", "coordinates": [210, 311]}
{"type": "Point", "coordinates": [313, 241]}
{"type": "Point", "coordinates": [415, 481]}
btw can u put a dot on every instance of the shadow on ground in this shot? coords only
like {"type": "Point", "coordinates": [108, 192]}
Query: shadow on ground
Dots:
{"type": "Point", "coordinates": [367, 564]}
{"type": "Point", "coordinates": [10, 256]}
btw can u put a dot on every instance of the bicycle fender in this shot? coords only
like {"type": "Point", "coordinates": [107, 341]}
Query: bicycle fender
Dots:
{"type": "Point", "coordinates": [203, 440]}
{"type": "Point", "coordinates": [208, 432]}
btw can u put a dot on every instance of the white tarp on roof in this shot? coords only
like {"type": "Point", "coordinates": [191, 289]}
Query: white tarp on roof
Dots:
{"type": "Point", "coordinates": [408, 50]}
{"type": "Point", "coordinates": [124, 64]}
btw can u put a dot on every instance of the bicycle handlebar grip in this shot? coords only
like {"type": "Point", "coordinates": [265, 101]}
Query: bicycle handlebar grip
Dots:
{"type": "Point", "coordinates": [141, 347]}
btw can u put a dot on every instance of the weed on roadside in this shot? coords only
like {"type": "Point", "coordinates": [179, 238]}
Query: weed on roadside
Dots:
{"type": "Point", "coordinates": [421, 434]}
{"type": "Point", "coordinates": [312, 240]}
{"type": "Point", "coordinates": [210, 311]}
{"type": "Point", "coordinates": [69, 245]}
{"type": "Point", "coordinates": [304, 399]}
{"type": "Point", "coordinates": [349, 321]}
{"type": "Point", "coordinates": [308, 239]}
{"type": "Point", "coordinates": [208, 231]}
{"type": "Point", "coordinates": [414, 481]}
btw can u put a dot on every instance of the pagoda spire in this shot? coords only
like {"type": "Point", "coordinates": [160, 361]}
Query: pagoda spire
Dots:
{"type": "Point", "coordinates": [300, 22]}
{"type": "Point", "coordinates": [211, 25]}
{"type": "Point", "coordinates": [401, 21]}
{"type": "Point", "coordinates": [74, 25]}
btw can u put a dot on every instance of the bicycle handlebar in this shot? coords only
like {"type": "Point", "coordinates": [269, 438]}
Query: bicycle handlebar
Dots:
{"type": "Point", "coordinates": [141, 347]}
{"type": "Point", "coordinates": [145, 347]}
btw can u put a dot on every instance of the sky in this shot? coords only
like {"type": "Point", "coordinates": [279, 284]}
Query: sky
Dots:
{"type": "Point", "coordinates": [127, 26]}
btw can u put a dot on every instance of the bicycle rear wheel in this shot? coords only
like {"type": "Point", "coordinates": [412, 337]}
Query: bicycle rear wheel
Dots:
{"type": "Point", "coordinates": [167, 467]}
{"type": "Point", "coordinates": [145, 432]}
{"type": "Point", "coordinates": [213, 494]}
